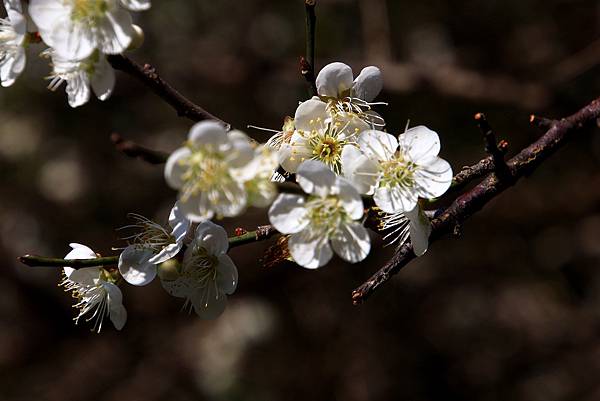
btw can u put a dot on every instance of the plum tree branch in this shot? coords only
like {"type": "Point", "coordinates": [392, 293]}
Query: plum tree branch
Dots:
{"type": "Point", "coordinates": [469, 203]}
{"type": "Point", "coordinates": [147, 75]}
{"type": "Point", "coordinates": [307, 63]}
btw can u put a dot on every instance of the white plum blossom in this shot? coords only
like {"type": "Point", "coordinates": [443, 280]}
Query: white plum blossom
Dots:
{"type": "Point", "coordinates": [328, 218]}
{"type": "Point", "coordinates": [257, 175]}
{"type": "Point", "coordinates": [207, 171]}
{"type": "Point", "coordinates": [397, 172]}
{"type": "Point", "coordinates": [13, 39]}
{"type": "Point", "coordinates": [207, 274]}
{"type": "Point", "coordinates": [399, 227]}
{"type": "Point", "coordinates": [92, 73]}
{"type": "Point", "coordinates": [76, 28]}
{"type": "Point", "coordinates": [320, 135]}
{"type": "Point", "coordinates": [345, 95]}
{"type": "Point", "coordinates": [151, 246]}
{"type": "Point", "coordinates": [95, 289]}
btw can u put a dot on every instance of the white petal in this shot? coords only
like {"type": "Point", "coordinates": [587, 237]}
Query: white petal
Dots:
{"type": "Point", "coordinates": [116, 31]}
{"type": "Point", "coordinates": [352, 242]}
{"type": "Point", "coordinates": [45, 14]}
{"type": "Point", "coordinates": [80, 251]}
{"type": "Point", "coordinates": [350, 124]}
{"type": "Point", "coordinates": [230, 200]}
{"type": "Point", "coordinates": [175, 167]}
{"type": "Point", "coordinates": [334, 80]}
{"type": "Point", "coordinates": [71, 41]}
{"type": "Point", "coordinates": [227, 275]}
{"type": "Point", "coordinates": [168, 252]}
{"type": "Point", "coordinates": [135, 267]}
{"type": "Point", "coordinates": [359, 169]}
{"type": "Point", "coordinates": [83, 276]}
{"type": "Point", "coordinates": [311, 114]}
{"type": "Point", "coordinates": [116, 310]}
{"type": "Point", "coordinates": [433, 177]}
{"type": "Point", "coordinates": [178, 288]}
{"type": "Point", "coordinates": [212, 237]}
{"type": "Point", "coordinates": [310, 249]}
{"type": "Point", "coordinates": [179, 223]}
{"type": "Point", "coordinates": [420, 142]}
{"type": "Point", "coordinates": [136, 5]}
{"type": "Point", "coordinates": [315, 178]}
{"type": "Point", "coordinates": [377, 145]}
{"type": "Point", "coordinates": [420, 229]}
{"type": "Point", "coordinates": [103, 79]}
{"type": "Point", "coordinates": [209, 302]}
{"type": "Point", "coordinates": [350, 198]}
{"type": "Point", "coordinates": [208, 133]}
{"type": "Point", "coordinates": [368, 84]}
{"type": "Point", "coordinates": [288, 214]}
{"type": "Point", "coordinates": [294, 153]}
{"type": "Point", "coordinates": [395, 199]}
{"type": "Point", "coordinates": [240, 151]}
{"type": "Point", "coordinates": [196, 208]}
{"type": "Point", "coordinates": [78, 89]}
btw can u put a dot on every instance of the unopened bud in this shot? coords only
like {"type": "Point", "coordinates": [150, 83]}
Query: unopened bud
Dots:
{"type": "Point", "coordinates": [138, 38]}
{"type": "Point", "coordinates": [169, 270]}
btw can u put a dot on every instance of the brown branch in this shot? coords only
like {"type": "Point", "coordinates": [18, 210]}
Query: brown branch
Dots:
{"type": "Point", "coordinates": [478, 170]}
{"type": "Point", "coordinates": [147, 75]}
{"type": "Point", "coordinates": [474, 200]}
{"type": "Point", "coordinates": [491, 146]}
{"type": "Point", "coordinates": [132, 149]}
{"type": "Point", "coordinates": [307, 63]}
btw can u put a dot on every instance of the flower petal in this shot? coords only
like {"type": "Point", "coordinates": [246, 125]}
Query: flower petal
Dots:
{"type": "Point", "coordinates": [209, 302]}
{"type": "Point", "coordinates": [350, 198]}
{"type": "Point", "coordinates": [136, 5]}
{"type": "Point", "coordinates": [135, 267]}
{"type": "Point", "coordinates": [433, 177]}
{"type": "Point", "coordinates": [288, 213]}
{"type": "Point", "coordinates": [377, 145]}
{"type": "Point", "coordinates": [420, 229]}
{"type": "Point", "coordinates": [395, 199]}
{"type": "Point", "coordinates": [179, 223]}
{"type": "Point", "coordinates": [212, 237]}
{"type": "Point", "coordinates": [311, 114]}
{"type": "Point", "coordinates": [227, 275]}
{"type": "Point", "coordinates": [116, 31]}
{"type": "Point", "coordinates": [368, 84]}
{"type": "Point", "coordinates": [103, 79]}
{"type": "Point", "coordinates": [310, 249]}
{"type": "Point", "coordinates": [315, 178]}
{"type": "Point", "coordinates": [175, 167]}
{"type": "Point", "coordinates": [334, 80]}
{"type": "Point", "coordinates": [361, 171]}
{"type": "Point", "coordinates": [208, 133]}
{"type": "Point", "coordinates": [352, 242]}
{"type": "Point", "coordinates": [116, 310]}
{"type": "Point", "coordinates": [420, 142]}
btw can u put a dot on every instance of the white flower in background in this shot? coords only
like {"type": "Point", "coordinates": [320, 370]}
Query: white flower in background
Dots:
{"type": "Point", "coordinates": [76, 28]}
{"type": "Point", "coordinates": [328, 218]}
{"type": "Point", "coordinates": [399, 227]}
{"type": "Point", "coordinates": [13, 39]}
{"type": "Point", "coordinates": [345, 95]}
{"type": "Point", "coordinates": [81, 77]}
{"type": "Point", "coordinates": [257, 177]}
{"type": "Point", "coordinates": [136, 5]}
{"type": "Point", "coordinates": [151, 246]}
{"type": "Point", "coordinates": [319, 136]}
{"type": "Point", "coordinates": [95, 289]}
{"type": "Point", "coordinates": [207, 274]}
{"type": "Point", "coordinates": [208, 172]}
{"type": "Point", "coordinates": [397, 172]}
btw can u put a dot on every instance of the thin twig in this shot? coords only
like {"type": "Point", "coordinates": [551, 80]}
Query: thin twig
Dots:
{"type": "Point", "coordinates": [474, 200]}
{"type": "Point", "coordinates": [491, 146]}
{"type": "Point", "coordinates": [478, 170]}
{"type": "Point", "coordinates": [148, 76]}
{"type": "Point", "coordinates": [132, 149]}
{"type": "Point", "coordinates": [541, 122]}
{"type": "Point", "coordinates": [307, 63]}
{"type": "Point", "coordinates": [260, 234]}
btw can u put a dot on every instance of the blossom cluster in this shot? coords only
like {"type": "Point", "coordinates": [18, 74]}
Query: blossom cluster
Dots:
{"type": "Point", "coordinates": [78, 35]}
{"type": "Point", "coordinates": [347, 168]}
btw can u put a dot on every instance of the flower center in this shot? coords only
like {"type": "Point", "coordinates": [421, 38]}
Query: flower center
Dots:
{"type": "Point", "coordinates": [201, 268]}
{"type": "Point", "coordinates": [326, 214]}
{"type": "Point", "coordinates": [326, 145]}
{"type": "Point", "coordinates": [149, 234]}
{"type": "Point", "coordinates": [206, 171]}
{"type": "Point", "coordinates": [397, 172]}
{"type": "Point", "coordinates": [90, 10]}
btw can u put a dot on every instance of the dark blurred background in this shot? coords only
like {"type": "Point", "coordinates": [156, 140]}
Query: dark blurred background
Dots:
{"type": "Point", "coordinates": [511, 311]}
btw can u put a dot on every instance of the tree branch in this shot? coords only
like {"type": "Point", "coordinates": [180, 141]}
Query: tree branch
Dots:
{"type": "Point", "coordinates": [147, 75]}
{"type": "Point", "coordinates": [474, 200]}
{"type": "Point", "coordinates": [132, 149]}
{"type": "Point", "coordinates": [307, 63]}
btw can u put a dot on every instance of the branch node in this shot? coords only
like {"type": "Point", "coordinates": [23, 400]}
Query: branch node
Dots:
{"type": "Point", "coordinates": [541, 122]}
{"type": "Point", "coordinates": [492, 148]}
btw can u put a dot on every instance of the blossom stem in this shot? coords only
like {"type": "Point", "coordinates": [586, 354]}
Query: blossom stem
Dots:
{"type": "Point", "coordinates": [469, 203]}
{"type": "Point", "coordinates": [260, 234]}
